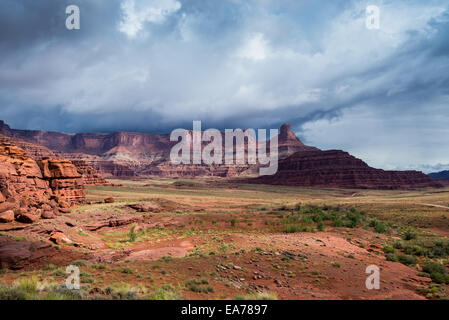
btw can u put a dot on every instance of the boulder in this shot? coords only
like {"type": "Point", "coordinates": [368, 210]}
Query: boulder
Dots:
{"type": "Point", "coordinates": [6, 206]}
{"type": "Point", "coordinates": [109, 200]}
{"type": "Point", "coordinates": [27, 217]}
{"type": "Point", "coordinates": [7, 216]}
{"type": "Point", "coordinates": [48, 215]}
{"type": "Point", "coordinates": [146, 207]}
{"type": "Point", "coordinates": [60, 238]}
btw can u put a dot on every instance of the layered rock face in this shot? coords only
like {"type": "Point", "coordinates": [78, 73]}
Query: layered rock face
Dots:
{"type": "Point", "coordinates": [29, 191]}
{"type": "Point", "coordinates": [37, 152]}
{"type": "Point", "coordinates": [21, 181]}
{"type": "Point", "coordinates": [289, 143]}
{"type": "Point", "coordinates": [90, 176]}
{"type": "Point", "coordinates": [24, 195]}
{"type": "Point", "coordinates": [128, 154]}
{"type": "Point", "coordinates": [64, 179]}
{"type": "Point", "coordinates": [339, 169]}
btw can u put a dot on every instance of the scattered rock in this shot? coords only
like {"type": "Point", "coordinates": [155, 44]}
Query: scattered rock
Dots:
{"type": "Point", "coordinates": [60, 238]}
{"type": "Point", "coordinates": [146, 207]}
{"type": "Point", "coordinates": [27, 217]}
{"type": "Point", "coordinates": [109, 200]}
{"type": "Point", "coordinates": [7, 216]}
{"type": "Point", "coordinates": [48, 215]}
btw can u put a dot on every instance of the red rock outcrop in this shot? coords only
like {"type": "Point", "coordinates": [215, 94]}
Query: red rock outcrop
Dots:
{"type": "Point", "coordinates": [31, 190]}
{"type": "Point", "coordinates": [339, 169]}
{"type": "Point", "coordinates": [64, 178]}
{"type": "Point", "coordinates": [22, 187]}
{"type": "Point", "coordinates": [39, 152]}
{"type": "Point", "coordinates": [289, 143]}
{"type": "Point", "coordinates": [89, 174]}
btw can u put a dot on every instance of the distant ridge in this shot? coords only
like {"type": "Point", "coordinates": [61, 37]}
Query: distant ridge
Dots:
{"type": "Point", "coordinates": [339, 169]}
{"type": "Point", "coordinates": [130, 154]}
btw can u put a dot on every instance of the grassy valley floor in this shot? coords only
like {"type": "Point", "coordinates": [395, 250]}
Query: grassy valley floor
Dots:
{"type": "Point", "coordinates": [215, 239]}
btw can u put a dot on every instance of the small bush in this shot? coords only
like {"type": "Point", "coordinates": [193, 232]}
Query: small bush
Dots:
{"type": "Point", "coordinates": [127, 271]}
{"type": "Point", "coordinates": [407, 259]}
{"type": "Point", "coordinates": [437, 272]}
{"type": "Point", "coordinates": [398, 245]}
{"type": "Point", "coordinates": [258, 296]}
{"type": "Point", "coordinates": [388, 249]}
{"type": "Point", "coordinates": [132, 234]}
{"type": "Point", "coordinates": [197, 285]}
{"type": "Point", "coordinates": [79, 263]}
{"type": "Point", "coordinates": [166, 292]}
{"type": "Point", "coordinates": [409, 234]}
{"type": "Point", "coordinates": [391, 257]}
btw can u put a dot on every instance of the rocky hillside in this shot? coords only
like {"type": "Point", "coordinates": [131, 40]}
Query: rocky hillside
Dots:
{"type": "Point", "coordinates": [30, 190]}
{"type": "Point", "coordinates": [89, 175]}
{"type": "Point", "coordinates": [339, 169]}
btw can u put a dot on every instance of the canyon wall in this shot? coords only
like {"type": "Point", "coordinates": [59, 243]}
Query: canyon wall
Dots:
{"type": "Point", "coordinates": [339, 169]}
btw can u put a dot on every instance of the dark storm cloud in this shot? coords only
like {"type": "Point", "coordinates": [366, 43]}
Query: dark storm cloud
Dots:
{"type": "Point", "coordinates": [155, 65]}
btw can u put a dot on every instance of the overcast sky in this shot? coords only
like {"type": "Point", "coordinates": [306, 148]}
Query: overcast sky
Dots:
{"type": "Point", "coordinates": [156, 65]}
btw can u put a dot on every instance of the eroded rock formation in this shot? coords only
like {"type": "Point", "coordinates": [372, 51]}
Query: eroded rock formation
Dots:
{"type": "Point", "coordinates": [129, 154]}
{"type": "Point", "coordinates": [32, 191]}
{"type": "Point", "coordinates": [339, 169]}
{"type": "Point", "coordinates": [64, 179]}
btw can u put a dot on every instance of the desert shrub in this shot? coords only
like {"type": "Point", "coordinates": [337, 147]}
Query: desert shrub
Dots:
{"type": "Point", "coordinates": [79, 263]}
{"type": "Point", "coordinates": [409, 234]}
{"type": "Point", "coordinates": [197, 285]}
{"type": "Point", "coordinates": [258, 296]}
{"type": "Point", "coordinates": [166, 292]}
{"type": "Point", "coordinates": [50, 267]}
{"type": "Point", "coordinates": [11, 293]}
{"type": "Point", "coordinates": [122, 292]}
{"type": "Point", "coordinates": [132, 234]}
{"type": "Point", "coordinates": [292, 228]}
{"type": "Point", "coordinates": [338, 223]}
{"type": "Point", "coordinates": [437, 272]}
{"type": "Point", "coordinates": [388, 249]}
{"type": "Point", "coordinates": [61, 292]}
{"type": "Point", "coordinates": [22, 289]}
{"type": "Point", "coordinates": [439, 249]}
{"type": "Point", "coordinates": [127, 271]}
{"type": "Point", "coordinates": [415, 250]}
{"type": "Point", "coordinates": [59, 273]}
{"type": "Point", "coordinates": [307, 220]}
{"type": "Point", "coordinates": [391, 257]}
{"type": "Point", "coordinates": [98, 266]}
{"type": "Point", "coordinates": [398, 245]}
{"type": "Point", "coordinates": [320, 226]}
{"type": "Point", "coordinates": [380, 227]}
{"type": "Point", "coordinates": [233, 221]}
{"type": "Point", "coordinates": [407, 259]}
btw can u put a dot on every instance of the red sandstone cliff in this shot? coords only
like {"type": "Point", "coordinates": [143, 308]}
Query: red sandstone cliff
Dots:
{"type": "Point", "coordinates": [339, 169]}
{"type": "Point", "coordinates": [128, 154]}
{"type": "Point", "coordinates": [29, 192]}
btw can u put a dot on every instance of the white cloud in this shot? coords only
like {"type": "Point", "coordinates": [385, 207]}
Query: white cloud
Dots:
{"type": "Point", "coordinates": [137, 12]}
{"type": "Point", "coordinates": [255, 48]}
